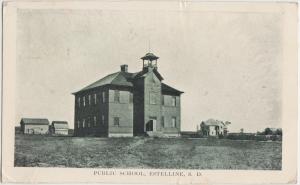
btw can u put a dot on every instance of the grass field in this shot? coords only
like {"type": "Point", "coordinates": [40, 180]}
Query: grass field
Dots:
{"type": "Point", "coordinates": [173, 153]}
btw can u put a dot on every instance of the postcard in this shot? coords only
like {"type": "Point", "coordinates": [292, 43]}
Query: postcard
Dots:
{"type": "Point", "coordinates": [168, 92]}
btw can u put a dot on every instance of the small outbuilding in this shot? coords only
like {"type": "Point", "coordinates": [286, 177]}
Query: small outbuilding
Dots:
{"type": "Point", "coordinates": [59, 128]}
{"type": "Point", "coordinates": [34, 125]}
{"type": "Point", "coordinates": [213, 127]}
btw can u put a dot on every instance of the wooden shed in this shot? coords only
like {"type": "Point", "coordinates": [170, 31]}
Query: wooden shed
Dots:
{"type": "Point", "coordinates": [34, 125]}
{"type": "Point", "coordinates": [59, 128]}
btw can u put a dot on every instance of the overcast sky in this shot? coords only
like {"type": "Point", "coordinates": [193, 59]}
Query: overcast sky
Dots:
{"type": "Point", "coordinates": [228, 64]}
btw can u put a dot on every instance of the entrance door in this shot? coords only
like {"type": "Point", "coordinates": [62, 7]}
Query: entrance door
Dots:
{"type": "Point", "coordinates": [153, 120]}
{"type": "Point", "coordinates": [151, 125]}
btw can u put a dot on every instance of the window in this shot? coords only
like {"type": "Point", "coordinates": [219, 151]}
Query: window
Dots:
{"type": "Point", "coordinates": [103, 97]}
{"type": "Point", "coordinates": [117, 96]}
{"type": "Point", "coordinates": [173, 100]}
{"type": "Point", "coordinates": [103, 119]}
{"type": "Point", "coordinates": [153, 98]}
{"type": "Point", "coordinates": [78, 101]}
{"type": "Point", "coordinates": [162, 121]}
{"type": "Point", "coordinates": [162, 99]}
{"type": "Point", "coordinates": [116, 121]}
{"type": "Point", "coordinates": [95, 98]}
{"type": "Point", "coordinates": [89, 99]}
{"type": "Point", "coordinates": [173, 122]}
{"type": "Point", "coordinates": [83, 123]}
{"type": "Point", "coordinates": [78, 124]}
{"type": "Point", "coordinates": [95, 120]}
{"type": "Point", "coordinates": [88, 122]}
{"type": "Point", "coordinates": [130, 97]}
{"type": "Point", "coordinates": [84, 101]}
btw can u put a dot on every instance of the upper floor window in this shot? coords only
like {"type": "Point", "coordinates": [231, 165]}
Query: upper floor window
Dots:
{"type": "Point", "coordinates": [117, 96]}
{"type": "Point", "coordinates": [78, 101]}
{"type": "Point", "coordinates": [173, 122]}
{"type": "Point", "coordinates": [84, 101]}
{"type": "Point", "coordinates": [103, 97]}
{"type": "Point", "coordinates": [162, 99]}
{"type": "Point", "coordinates": [173, 100]}
{"type": "Point", "coordinates": [116, 121]}
{"type": "Point", "coordinates": [153, 98]}
{"type": "Point", "coordinates": [95, 98]}
{"type": "Point", "coordinates": [78, 124]}
{"type": "Point", "coordinates": [89, 99]}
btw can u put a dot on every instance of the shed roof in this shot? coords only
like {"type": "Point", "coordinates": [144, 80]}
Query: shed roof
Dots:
{"type": "Point", "coordinates": [60, 124]}
{"type": "Point", "coordinates": [35, 121]}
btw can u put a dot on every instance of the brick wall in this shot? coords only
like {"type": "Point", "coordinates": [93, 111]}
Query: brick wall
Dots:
{"type": "Point", "coordinates": [169, 112]}
{"type": "Point", "coordinates": [91, 109]}
{"type": "Point", "coordinates": [121, 110]}
{"type": "Point", "coordinates": [138, 112]}
{"type": "Point", "coordinates": [152, 99]}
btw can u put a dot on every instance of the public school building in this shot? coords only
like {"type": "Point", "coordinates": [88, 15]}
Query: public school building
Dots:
{"type": "Point", "coordinates": [125, 104]}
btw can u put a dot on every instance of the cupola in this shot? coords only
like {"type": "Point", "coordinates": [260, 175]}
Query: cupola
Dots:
{"type": "Point", "coordinates": [150, 61]}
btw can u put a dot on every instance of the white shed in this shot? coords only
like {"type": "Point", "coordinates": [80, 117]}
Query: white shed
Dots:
{"type": "Point", "coordinates": [60, 127]}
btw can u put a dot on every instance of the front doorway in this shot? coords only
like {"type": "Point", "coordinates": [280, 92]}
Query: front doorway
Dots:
{"type": "Point", "coordinates": [151, 125]}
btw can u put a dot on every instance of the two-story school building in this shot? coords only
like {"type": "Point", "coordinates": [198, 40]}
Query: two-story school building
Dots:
{"type": "Point", "coordinates": [125, 104]}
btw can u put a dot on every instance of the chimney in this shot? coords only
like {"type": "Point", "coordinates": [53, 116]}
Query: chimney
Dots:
{"type": "Point", "coordinates": [124, 68]}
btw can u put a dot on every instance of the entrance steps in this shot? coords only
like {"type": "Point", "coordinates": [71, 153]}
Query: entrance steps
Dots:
{"type": "Point", "coordinates": [155, 134]}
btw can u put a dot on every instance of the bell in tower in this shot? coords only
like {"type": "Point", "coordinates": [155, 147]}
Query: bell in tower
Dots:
{"type": "Point", "coordinates": [150, 61]}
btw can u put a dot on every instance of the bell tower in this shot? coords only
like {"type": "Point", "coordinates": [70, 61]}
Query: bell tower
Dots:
{"type": "Point", "coordinates": [150, 61]}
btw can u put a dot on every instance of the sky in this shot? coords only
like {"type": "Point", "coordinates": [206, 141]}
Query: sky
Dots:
{"type": "Point", "coordinates": [227, 63]}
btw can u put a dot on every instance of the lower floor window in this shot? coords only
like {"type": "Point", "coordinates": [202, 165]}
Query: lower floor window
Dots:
{"type": "Point", "coordinates": [103, 119]}
{"type": "Point", "coordinates": [173, 122]}
{"type": "Point", "coordinates": [162, 122]}
{"type": "Point", "coordinates": [88, 122]}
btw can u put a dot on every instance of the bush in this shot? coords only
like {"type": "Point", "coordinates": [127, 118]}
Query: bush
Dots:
{"type": "Point", "coordinates": [240, 137]}
{"type": "Point", "coordinates": [221, 136]}
{"type": "Point", "coordinates": [254, 137]}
